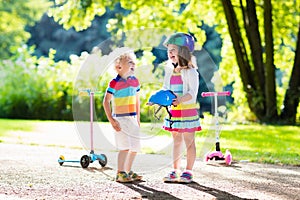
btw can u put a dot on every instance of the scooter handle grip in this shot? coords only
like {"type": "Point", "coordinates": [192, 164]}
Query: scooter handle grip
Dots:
{"type": "Point", "coordinates": [210, 94]}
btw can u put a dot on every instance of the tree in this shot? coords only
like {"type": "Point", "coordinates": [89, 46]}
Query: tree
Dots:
{"type": "Point", "coordinates": [257, 61]}
{"type": "Point", "coordinates": [15, 15]}
{"type": "Point", "coordinates": [263, 34]}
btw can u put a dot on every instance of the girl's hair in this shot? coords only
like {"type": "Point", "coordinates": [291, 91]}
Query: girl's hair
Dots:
{"type": "Point", "coordinates": [184, 57]}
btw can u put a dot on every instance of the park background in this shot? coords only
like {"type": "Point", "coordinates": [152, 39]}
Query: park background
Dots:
{"type": "Point", "coordinates": [252, 46]}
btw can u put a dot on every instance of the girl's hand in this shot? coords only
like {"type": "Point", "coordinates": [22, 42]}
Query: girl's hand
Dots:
{"type": "Point", "coordinates": [116, 125]}
{"type": "Point", "coordinates": [176, 101]}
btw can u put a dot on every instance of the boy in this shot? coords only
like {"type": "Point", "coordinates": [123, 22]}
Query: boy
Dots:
{"type": "Point", "coordinates": [124, 115]}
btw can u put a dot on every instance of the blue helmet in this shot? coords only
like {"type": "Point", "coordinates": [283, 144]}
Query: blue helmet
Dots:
{"type": "Point", "coordinates": [162, 98]}
{"type": "Point", "coordinates": [181, 39]}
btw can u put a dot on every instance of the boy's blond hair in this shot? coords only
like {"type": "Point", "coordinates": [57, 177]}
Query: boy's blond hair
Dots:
{"type": "Point", "coordinates": [122, 57]}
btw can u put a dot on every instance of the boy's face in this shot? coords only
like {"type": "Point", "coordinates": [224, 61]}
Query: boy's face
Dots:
{"type": "Point", "coordinates": [126, 67]}
{"type": "Point", "coordinates": [173, 53]}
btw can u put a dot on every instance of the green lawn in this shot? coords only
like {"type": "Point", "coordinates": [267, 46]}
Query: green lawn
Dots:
{"type": "Point", "coordinates": [7, 125]}
{"type": "Point", "coordinates": [261, 143]}
{"type": "Point", "coordinates": [255, 143]}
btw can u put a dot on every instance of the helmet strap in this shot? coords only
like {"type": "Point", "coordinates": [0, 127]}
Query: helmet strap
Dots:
{"type": "Point", "coordinates": [175, 65]}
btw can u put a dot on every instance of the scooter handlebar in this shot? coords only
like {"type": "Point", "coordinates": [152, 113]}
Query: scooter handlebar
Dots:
{"type": "Point", "coordinates": [210, 94]}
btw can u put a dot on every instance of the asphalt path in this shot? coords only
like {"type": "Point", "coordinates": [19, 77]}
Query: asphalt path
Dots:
{"type": "Point", "coordinates": [29, 169]}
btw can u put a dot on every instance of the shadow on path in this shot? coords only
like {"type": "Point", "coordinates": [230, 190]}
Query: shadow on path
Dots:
{"type": "Point", "coordinates": [152, 194]}
{"type": "Point", "coordinates": [220, 195]}
{"type": "Point", "coordinates": [148, 192]}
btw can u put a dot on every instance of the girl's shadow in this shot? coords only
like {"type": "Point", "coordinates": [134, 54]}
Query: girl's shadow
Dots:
{"type": "Point", "coordinates": [215, 192]}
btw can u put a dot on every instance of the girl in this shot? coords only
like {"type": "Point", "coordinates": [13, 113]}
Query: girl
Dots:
{"type": "Point", "coordinates": [181, 77]}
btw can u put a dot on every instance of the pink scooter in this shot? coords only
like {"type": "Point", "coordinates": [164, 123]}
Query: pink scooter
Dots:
{"type": "Point", "coordinates": [217, 154]}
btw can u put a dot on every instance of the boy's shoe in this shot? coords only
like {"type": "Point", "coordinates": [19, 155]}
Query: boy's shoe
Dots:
{"type": "Point", "coordinates": [186, 177]}
{"type": "Point", "coordinates": [171, 177]}
{"type": "Point", "coordinates": [134, 176]}
{"type": "Point", "coordinates": [123, 177]}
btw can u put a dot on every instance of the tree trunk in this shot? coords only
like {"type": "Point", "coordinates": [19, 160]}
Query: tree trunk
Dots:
{"type": "Point", "coordinates": [252, 31]}
{"type": "Point", "coordinates": [292, 95]}
{"type": "Point", "coordinates": [255, 100]}
{"type": "Point", "coordinates": [270, 86]}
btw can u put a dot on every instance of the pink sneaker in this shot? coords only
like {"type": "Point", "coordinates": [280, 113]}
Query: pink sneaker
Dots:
{"type": "Point", "coordinates": [186, 177]}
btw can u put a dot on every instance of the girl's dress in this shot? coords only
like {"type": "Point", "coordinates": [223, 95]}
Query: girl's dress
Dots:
{"type": "Point", "coordinates": [185, 117]}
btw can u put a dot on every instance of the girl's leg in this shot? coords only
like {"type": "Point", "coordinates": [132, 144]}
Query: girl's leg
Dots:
{"type": "Point", "coordinates": [130, 158]}
{"type": "Point", "coordinates": [122, 157]}
{"type": "Point", "coordinates": [189, 139]}
{"type": "Point", "coordinates": [177, 149]}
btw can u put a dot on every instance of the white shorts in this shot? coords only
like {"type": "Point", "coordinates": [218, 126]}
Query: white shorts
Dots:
{"type": "Point", "coordinates": [129, 136]}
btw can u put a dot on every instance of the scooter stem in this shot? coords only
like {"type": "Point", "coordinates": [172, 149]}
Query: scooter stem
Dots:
{"type": "Point", "coordinates": [91, 120]}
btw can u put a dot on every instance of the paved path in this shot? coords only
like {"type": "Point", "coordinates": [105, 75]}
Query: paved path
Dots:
{"type": "Point", "coordinates": [32, 172]}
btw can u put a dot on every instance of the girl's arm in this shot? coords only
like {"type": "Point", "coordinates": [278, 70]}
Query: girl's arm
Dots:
{"type": "Point", "coordinates": [193, 83]}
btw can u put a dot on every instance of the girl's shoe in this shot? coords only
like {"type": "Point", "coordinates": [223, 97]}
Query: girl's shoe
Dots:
{"type": "Point", "coordinates": [134, 176]}
{"type": "Point", "coordinates": [123, 177]}
{"type": "Point", "coordinates": [186, 177]}
{"type": "Point", "coordinates": [171, 177]}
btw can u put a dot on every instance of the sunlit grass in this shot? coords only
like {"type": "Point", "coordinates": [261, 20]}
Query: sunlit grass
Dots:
{"type": "Point", "coordinates": [253, 143]}
{"type": "Point", "coordinates": [262, 143]}
{"type": "Point", "coordinates": [7, 125]}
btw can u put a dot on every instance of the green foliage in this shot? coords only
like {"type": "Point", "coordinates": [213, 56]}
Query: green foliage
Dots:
{"type": "Point", "coordinates": [78, 14]}
{"type": "Point", "coordinates": [36, 88]}
{"type": "Point", "coordinates": [15, 15]}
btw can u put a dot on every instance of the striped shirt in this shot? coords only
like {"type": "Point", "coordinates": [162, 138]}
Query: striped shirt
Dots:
{"type": "Point", "coordinates": [176, 84]}
{"type": "Point", "coordinates": [124, 95]}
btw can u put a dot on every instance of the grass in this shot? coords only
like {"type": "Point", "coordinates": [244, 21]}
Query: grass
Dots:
{"type": "Point", "coordinates": [254, 143]}
{"type": "Point", "coordinates": [262, 143]}
{"type": "Point", "coordinates": [7, 125]}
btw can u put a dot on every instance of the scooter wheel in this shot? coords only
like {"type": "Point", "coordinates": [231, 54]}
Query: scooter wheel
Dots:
{"type": "Point", "coordinates": [103, 161]}
{"type": "Point", "coordinates": [206, 158]}
{"type": "Point", "coordinates": [60, 160]}
{"type": "Point", "coordinates": [85, 161]}
{"type": "Point", "coordinates": [228, 157]}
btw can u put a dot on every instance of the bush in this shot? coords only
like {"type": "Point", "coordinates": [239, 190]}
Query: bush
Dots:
{"type": "Point", "coordinates": [34, 88]}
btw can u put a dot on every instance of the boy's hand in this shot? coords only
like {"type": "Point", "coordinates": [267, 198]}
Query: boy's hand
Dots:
{"type": "Point", "coordinates": [115, 124]}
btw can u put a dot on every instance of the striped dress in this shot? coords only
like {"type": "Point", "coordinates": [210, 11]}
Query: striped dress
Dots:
{"type": "Point", "coordinates": [185, 117]}
{"type": "Point", "coordinates": [124, 95]}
